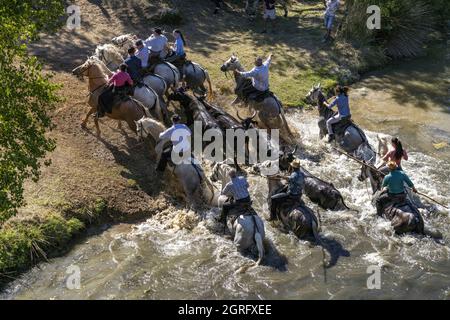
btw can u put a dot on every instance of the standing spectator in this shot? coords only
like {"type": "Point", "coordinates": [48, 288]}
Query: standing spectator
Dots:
{"type": "Point", "coordinates": [330, 13]}
{"type": "Point", "coordinates": [269, 14]}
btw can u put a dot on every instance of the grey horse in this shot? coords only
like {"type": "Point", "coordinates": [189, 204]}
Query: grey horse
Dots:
{"type": "Point", "coordinates": [247, 229]}
{"type": "Point", "coordinates": [270, 110]}
{"type": "Point", "coordinates": [196, 187]}
{"type": "Point", "coordinates": [194, 74]}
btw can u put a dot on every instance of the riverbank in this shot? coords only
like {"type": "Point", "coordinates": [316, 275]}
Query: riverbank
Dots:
{"type": "Point", "coordinates": [96, 181]}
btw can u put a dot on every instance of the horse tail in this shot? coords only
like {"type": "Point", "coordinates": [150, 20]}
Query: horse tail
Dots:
{"type": "Point", "coordinates": [259, 243]}
{"type": "Point", "coordinates": [283, 118]}
{"type": "Point", "coordinates": [208, 79]}
{"type": "Point", "coordinates": [315, 231]}
{"type": "Point", "coordinates": [156, 104]}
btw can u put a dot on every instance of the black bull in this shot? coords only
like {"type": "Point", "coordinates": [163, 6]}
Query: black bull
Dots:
{"type": "Point", "coordinates": [318, 191]}
{"type": "Point", "coordinates": [211, 117]}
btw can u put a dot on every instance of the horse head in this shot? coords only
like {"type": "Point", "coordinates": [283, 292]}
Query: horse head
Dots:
{"type": "Point", "coordinates": [84, 69]}
{"type": "Point", "coordinates": [313, 95]}
{"type": "Point", "coordinates": [231, 64]}
{"type": "Point", "coordinates": [247, 122]}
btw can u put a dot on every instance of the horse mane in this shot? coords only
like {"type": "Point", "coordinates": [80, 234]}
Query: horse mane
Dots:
{"type": "Point", "coordinates": [153, 125]}
{"type": "Point", "coordinates": [110, 50]}
{"type": "Point", "coordinates": [101, 65]}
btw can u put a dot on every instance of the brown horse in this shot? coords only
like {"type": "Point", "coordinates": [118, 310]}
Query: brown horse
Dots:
{"type": "Point", "coordinates": [129, 110]}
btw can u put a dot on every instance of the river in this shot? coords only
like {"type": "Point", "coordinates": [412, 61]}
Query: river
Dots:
{"type": "Point", "coordinates": [156, 259]}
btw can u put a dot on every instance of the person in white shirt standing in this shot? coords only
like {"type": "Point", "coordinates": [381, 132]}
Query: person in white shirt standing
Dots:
{"type": "Point", "coordinates": [260, 78]}
{"type": "Point", "coordinates": [157, 43]}
{"type": "Point", "coordinates": [329, 16]}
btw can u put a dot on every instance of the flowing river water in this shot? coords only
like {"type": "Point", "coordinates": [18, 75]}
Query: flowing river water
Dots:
{"type": "Point", "coordinates": [157, 260]}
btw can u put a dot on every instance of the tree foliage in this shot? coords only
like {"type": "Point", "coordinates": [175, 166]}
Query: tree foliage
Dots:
{"type": "Point", "coordinates": [26, 97]}
{"type": "Point", "coordinates": [406, 25]}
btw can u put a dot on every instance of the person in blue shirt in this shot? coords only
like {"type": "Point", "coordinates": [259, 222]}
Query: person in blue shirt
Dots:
{"type": "Point", "coordinates": [178, 53]}
{"type": "Point", "coordinates": [296, 184]}
{"type": "Point", "coordinates": [341, 100]}
{"type": "Point", "coordinates": [134, 65]}
{"type": "Point", "coordinates": [394, 187]}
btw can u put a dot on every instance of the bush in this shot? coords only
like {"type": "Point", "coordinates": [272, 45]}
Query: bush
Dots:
{"type": "Point", "coordinates": [405, 25]}
{"type": "Point", "coordinates": [26, 97]}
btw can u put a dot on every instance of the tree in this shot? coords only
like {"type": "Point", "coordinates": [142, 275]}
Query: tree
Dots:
{"type": "Point", "coordinates": [26, 97]}
{"type": "Point", "coordinates": [406, 25]}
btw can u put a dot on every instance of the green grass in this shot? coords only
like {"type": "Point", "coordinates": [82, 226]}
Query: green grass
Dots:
{"type": "Point", "coordinates": [25, 242]}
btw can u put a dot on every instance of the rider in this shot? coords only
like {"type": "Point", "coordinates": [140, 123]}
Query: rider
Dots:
{"type": "Point", "coordinates": [134, 65]}
{"type": "Point", "coordinates": [177, 48]}
{"type": "Point", "coordinates": [142, 53]}
{"type": "Point", "coordinates": [342, 103]}
{"type": "Point", "coordinates": [396, 154]}
{"type": "Point", "coordinates": [260, 78]}
{"type": "Point", "coordinates": [296, 183]}
{"type": "Point", "coordinates": [118, 84]}
{"type": "Point", "coordinates": [394, 182]}
{"type": "Point", "coordinates": [237, 192]}
{"type": "Point", "coordinates": [157, 43]}
{"type": "Point", "coordinates": [180, 136]}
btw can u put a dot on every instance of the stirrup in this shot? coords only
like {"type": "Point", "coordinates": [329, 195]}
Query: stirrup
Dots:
{"type": "Point", "coordinates": [330, 137]}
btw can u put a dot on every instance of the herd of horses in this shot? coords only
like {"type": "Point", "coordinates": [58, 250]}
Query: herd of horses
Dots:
{"type": "Point", "coordinates": [146, 114]}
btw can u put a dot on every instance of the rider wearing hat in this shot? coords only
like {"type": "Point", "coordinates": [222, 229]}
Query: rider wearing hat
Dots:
{"type": "Point", "coordinates": [295, 185]}
{"type": "Point", "coordinates": [394, 184]}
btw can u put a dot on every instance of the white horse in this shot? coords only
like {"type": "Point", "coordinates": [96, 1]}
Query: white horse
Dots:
{"type": "Point", "coordinates": [112, 58]}
{"type": "Point", "coordinates": [196, 187]}
{"type": "Point", "coordinates": [194, 75]}
{"type": "Point", "coordinates": [248, 230]}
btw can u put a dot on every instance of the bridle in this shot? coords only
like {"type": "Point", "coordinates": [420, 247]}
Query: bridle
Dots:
{"type": "Point", "coordinates": [86, 69]}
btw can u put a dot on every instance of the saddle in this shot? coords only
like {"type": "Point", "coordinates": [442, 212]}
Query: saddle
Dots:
{"type": "Point", "coordinates": [244, 209]}
{"type": "Point", "coordinates": [289, 204]}
{"type": "Point", "coordinates": [260, 96]}
{"type": "Point", "coordinates": [112, 97]}
{"type": "Point", "coordinates": [247, 92]}
{"type": "Point", "coordinates": [340, 127]}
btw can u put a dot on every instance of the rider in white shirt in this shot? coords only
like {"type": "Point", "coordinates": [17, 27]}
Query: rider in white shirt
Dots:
{"type": "Point", "coordinates": [259, 75]}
